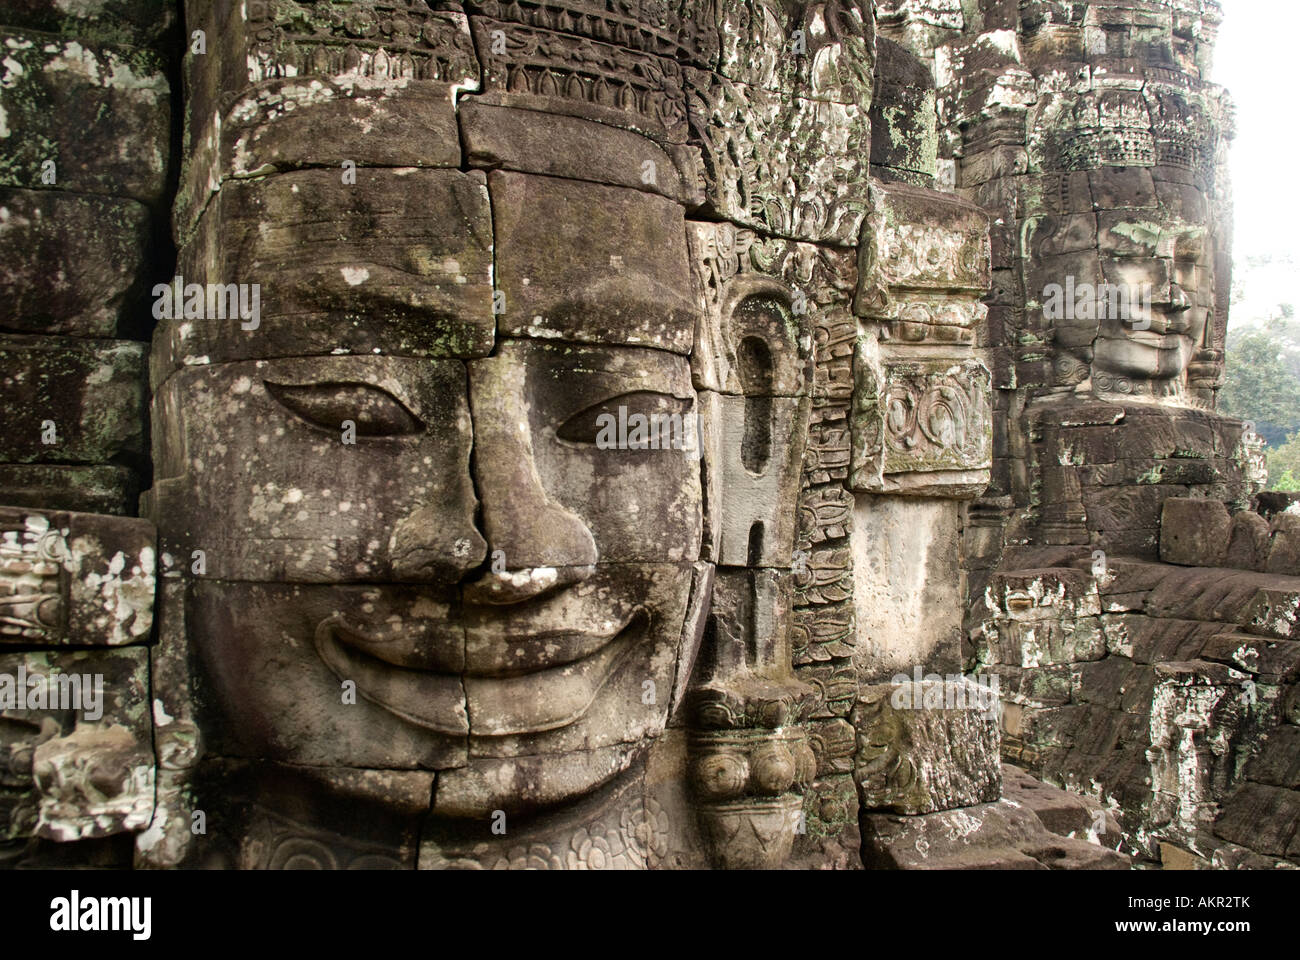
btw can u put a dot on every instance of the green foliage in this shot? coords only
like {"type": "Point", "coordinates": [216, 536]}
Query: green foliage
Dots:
{"type": "Point", "coordinates": [1262, 386]}
{"type": "Point", "coordinates": [1284, 465]}
{"type": "Point", "coordinates": [1287, 483]}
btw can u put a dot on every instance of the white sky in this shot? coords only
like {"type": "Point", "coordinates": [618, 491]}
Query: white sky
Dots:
{"type": "Point", "coordinates": [1257, 60]}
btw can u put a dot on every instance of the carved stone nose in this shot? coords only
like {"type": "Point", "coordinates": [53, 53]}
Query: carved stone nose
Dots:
{"type": "Point", "coordinates": [530, 530]}
{"type": "Point", "coordinates": [431, 545]}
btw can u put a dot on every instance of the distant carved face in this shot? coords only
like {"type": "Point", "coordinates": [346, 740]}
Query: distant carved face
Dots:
{"type": "Point", "coordinates": [1129, 310]}
{"type": "Point", "coordinates": [476, 585]}
{"type": "Point", "coordinates": [1124, 226]}
{"type": "Point", "coordinates": [1170, 286]}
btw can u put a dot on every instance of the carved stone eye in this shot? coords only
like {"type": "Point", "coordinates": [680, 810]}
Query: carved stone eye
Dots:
{"type": "Point", "coordinates": [376, 412]}
{"type": "Point", "coordinates": [652, 408]}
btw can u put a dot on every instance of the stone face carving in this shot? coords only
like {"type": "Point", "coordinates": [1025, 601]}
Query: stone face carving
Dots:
{"type": "Point", "coordinates": [1119, 546]}
{"type": "Point", "coordinates": [541, 394]}
{"type": "Point", "coordinates": [1111, 177]}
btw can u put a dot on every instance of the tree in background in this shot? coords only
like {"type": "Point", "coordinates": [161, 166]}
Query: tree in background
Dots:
{"type": "Point", "coordinates": [1284, 466]}
{"type": "Point", "coordinates": [1262, 385]}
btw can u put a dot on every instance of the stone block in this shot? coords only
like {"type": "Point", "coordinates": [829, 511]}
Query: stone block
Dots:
{"type": "Point", "coordinates": [71, 264]}
{"type": "Point", "coordinates": [140, 22]}
{"type": "Point", "coordinates": [1269, 660]}
{"type": "Point", "coordinates": [399, 263]}
{"type": "Point", "coordinates": [590, 263]}
{"type": "Point", "coordinates": [1194, 533]}
{"type": "Point", "coordinates": [87, 119]}
{"type": "Point", "coordinates": [573, 148]}
{"type": "Point", "coordinates": [1261, 818]}
{"type": "Point", "coordinates": [65, 400]}
{"type": "Point", "coordinates": [1060, 811]}
{"type": "Point", "coordinates": [928, 746]}
{"type": "Point", "coordinates": [562, 73]}
{"type": "Point", "coordinates": [288, 85]}
{"type": "Point", "coordinates": [1278, 761]}
{"type": "Point", "coordinates": [85, 489]}
{"type": "Point", "coordinates": [75, 579]}
{"type": "Point", "coordinates": [921, 427]}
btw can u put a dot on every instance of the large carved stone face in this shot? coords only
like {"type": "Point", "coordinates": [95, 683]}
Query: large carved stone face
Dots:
{"type": "Point", "coordinates": [1122, 220]}
{"type": "Point", "coordinates": [1128, 290]}
{"type": "Point", "coordinates": [476, 592]}
{"type": "Point", "coordinates": [511, 602]}
{"type": "Point", "coordinates": [1160, 251]}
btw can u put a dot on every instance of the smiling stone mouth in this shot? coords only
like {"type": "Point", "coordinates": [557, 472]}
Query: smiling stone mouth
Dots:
{"type": "Point", "coordinates": [495, 703]}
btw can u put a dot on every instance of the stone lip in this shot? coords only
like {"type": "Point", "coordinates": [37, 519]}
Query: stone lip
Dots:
{"type": "Point", "coordinates": [569, 671]}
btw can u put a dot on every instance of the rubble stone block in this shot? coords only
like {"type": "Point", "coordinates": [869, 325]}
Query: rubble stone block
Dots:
{"type": "Point", "coordinates": [928, 746]}
{"type": "Point", "coordinates": [78, 741]}
{"type": "Point", "coordinates": [1003, 835]}
{"type": "Point", "coordinates": [1248, 542]}
{"type": "Point", "coordinates": [1284, 555]}
{"type": "Point", "coordinates": [1062, 812]}
{"type": "Point", "coordinates": [65, 400]}
{"type": "Point", "coordinates": [1194, 533]}
{"type": "Point", "coordinates": [75, 578]}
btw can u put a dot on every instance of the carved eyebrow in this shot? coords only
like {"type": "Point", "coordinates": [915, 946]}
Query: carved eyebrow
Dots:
{"type": "Point", "coordinates": [375, 411]}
